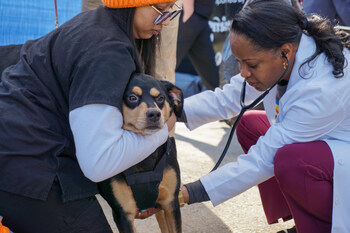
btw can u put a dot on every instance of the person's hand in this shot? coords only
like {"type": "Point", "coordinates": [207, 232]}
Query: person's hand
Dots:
{"type": "Point", "coordinates": [185, 194]}
{"type": "Point", "coordinates": [171, 122]}
{"type": "Point", "coordinates": [188, 9]}
{"type": "Point", "coordinates": [146, 213]}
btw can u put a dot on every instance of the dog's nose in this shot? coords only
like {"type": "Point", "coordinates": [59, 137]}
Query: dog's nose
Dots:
{"type": "Point", "coordinates": [153, 115]}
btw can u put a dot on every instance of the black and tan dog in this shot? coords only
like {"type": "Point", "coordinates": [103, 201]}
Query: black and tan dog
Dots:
{"type": "Point", "coordinates": [154, 182]}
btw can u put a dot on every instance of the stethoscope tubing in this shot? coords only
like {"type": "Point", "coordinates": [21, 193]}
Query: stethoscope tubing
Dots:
{"type": "Point", "coordinates": [245, 108]}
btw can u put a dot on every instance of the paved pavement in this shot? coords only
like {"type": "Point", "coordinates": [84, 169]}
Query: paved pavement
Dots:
{"type": "Point", "coordinates": [198, 151]}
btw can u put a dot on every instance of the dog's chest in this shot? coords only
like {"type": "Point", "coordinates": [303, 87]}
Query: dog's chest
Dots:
{"type": "Point", "coordinates": [144, 178]}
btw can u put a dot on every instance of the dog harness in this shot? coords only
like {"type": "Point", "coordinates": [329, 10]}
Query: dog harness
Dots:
{"type": "Point", "coordinates": [144, 185]}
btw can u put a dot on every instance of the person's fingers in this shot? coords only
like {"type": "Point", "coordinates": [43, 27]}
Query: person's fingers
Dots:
{"type": "Point", "coordinates": [188, 9]}
{"type": "Point", "coordinates": [187, 15]}
{"type": "Point", "coordinates": [185, 194]}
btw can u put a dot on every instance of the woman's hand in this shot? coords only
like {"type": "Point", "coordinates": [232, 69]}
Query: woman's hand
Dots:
{"type": "Point", "coordinates": [188, 8]}
{"type": "Point", "coordinates": [186, 196]}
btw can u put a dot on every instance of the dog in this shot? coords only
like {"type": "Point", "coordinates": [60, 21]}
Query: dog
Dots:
{"type": "Point", "coordinates": [155, 181]}
{"type": "Point", "coordinates": [147, 105]}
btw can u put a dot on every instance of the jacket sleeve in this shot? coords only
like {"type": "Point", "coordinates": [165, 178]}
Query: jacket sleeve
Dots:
{"type": "Point", "coordinates": [216, 105]}
{"type": "Point", "coordinates": [101, 75]}
{"type": "Point", "coordinates": [103, 148]}
{"type": "Point", "coordinates": [308, 114]}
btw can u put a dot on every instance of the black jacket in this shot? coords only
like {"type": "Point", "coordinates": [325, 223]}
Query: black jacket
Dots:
{"type": "Point", "coordinates": [204, 7]}
{"type": "Point", "coordinates": [87, 60]}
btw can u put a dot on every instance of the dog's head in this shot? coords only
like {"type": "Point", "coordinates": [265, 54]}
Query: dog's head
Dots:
{"type": "Point", "coordinates": [148, 103]}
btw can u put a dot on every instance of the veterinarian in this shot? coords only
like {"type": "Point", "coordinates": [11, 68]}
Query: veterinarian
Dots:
{"type": "Point", "coordinates": [61, 123]}
{"type": "Point", "coordinates": [298, 149]}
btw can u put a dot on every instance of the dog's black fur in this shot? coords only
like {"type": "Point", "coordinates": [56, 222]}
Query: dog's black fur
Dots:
{"type": "Point", "coordinates": [147, 104]}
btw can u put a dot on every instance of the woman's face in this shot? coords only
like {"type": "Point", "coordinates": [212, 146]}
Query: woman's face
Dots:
{"type": "Point", "coordinates": [144, 17]}
{"type": "Point", "coordinates": [261, 69]}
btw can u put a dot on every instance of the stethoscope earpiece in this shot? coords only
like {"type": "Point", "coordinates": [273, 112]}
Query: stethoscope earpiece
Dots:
{"type": "Point", "coordinates": [284, 55]}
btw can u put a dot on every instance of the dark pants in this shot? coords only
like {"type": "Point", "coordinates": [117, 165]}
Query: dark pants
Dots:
{"type": "Point", "coordinates": [26, 215]}
{"type": "Point", "coordinates": [194, 40]}
{"type": "Point", "coordinates": [303, 183]}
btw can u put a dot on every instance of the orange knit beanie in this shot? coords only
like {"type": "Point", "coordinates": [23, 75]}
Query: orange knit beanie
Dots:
{"type": "Point", "coordinates": [131, 3]}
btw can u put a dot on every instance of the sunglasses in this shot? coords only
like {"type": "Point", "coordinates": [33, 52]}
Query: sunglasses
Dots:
{"type": "Point", "coordinates": [165, 15]}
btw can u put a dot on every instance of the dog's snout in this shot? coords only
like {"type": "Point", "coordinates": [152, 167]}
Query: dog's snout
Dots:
{"type": "Point", "coordinates": [153, 115]}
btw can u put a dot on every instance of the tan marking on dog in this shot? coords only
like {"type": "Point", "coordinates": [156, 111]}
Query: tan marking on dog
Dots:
{"type": "Point", "coordinates": [166, 111]}
{"type": "Point", "coordinates": [167, 188]}
{"type": "Point", "coordinates": [161, 221]}
{"type": "Point", "coordinates": [122, 192]}
{"type": "Point", "coordinates": [135, 119]}
{"type": "Point", "coordinates": [137, 91]}
{"type": "Point", "coordinates": [154, 92]}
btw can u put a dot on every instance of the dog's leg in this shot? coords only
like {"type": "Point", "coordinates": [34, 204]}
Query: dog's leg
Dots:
{"type": "Point", "coordinates": [123, 223]}
{"type": "Point", "coordinates": [168, 193]}
{"type": "Point", "coordinates": [124, 216]}
{"type": "Point", "coordinates": [161, 222]}
{"type": "Point", "coordinates": [173, 219]}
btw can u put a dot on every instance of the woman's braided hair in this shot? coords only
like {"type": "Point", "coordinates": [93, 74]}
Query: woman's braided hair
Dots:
{"type": "Point", "coordinates": [271, 23]}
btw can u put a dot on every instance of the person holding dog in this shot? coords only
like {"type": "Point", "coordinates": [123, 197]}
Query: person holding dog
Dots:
{"type": "Point", "coordinates": [61, 123]}
{"type": "Point", "coordinates": [297, 150]}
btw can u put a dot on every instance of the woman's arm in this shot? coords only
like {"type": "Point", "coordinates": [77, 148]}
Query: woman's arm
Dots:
{"type": "Point", "coordinates": [103, 148]}
{"type": "Point", "coordinates": [308, 114]}
{"type": "Point", "coordinates": [219, 104]}
{"type": "Point", "coordinates": [188, 7]}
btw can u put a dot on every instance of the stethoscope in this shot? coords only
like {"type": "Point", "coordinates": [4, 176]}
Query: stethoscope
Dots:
{"type": "Point", "coordinates": [245, 108]}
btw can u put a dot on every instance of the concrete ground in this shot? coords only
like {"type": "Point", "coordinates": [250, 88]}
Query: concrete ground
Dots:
{"type": "Point", "coordinates": [198, 151]}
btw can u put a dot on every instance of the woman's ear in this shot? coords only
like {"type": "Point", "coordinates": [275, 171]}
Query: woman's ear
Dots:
{"type": "Point", "coordinates": [287, 50]}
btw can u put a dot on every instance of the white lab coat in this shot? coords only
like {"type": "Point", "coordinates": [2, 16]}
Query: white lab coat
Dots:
{"type": "Point", "coordinates": [314, 107]}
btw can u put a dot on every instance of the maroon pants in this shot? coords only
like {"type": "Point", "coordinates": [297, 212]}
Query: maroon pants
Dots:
{"type": "Point", "coordinates": [302, 187]}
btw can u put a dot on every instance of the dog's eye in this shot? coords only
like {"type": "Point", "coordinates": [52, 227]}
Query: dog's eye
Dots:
{"type": "Point", "coordinates": [133, 98]}
{"type": "Point", "coordinates": [160, 99]}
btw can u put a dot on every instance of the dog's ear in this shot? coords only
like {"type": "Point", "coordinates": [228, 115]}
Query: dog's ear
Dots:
{"type": "Point", "coordinates": [176, 97]}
